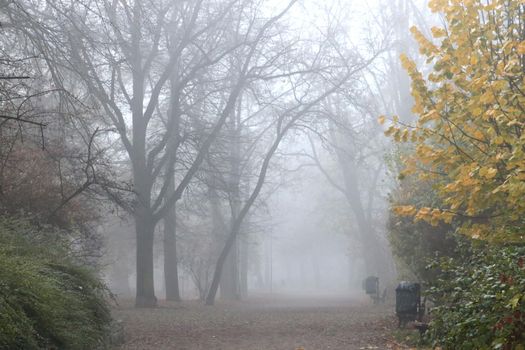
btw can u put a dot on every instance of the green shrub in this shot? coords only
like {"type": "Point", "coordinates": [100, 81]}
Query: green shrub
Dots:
{"type": "Point", "coordinates": [481, 299]}
{"type": "Point", "coordinates": [47, 299]}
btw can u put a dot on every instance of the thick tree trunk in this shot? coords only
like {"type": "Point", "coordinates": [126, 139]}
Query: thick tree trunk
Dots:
{"type": "Point", "coordinates": [145, 283]}
{"type": "Point", "coordinates": [171, 271]}
{"type": "Point", "coordinates": [229, 279]}
{"type": "Point", "coordinates": [144, 227]}
{"type": "Point", "coordinates": [243, 267]}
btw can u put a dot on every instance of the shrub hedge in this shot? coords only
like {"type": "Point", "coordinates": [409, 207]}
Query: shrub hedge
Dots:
{"type": "Point", "coordinates": [480, 299]}
{"type": "Point", "coordinates": [48, 300]}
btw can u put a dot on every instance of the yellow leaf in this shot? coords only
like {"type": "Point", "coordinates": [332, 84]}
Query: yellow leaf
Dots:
{"type": "Point", "coordinates": [390, 131]}
{"type": "Point", "coordinates": [405, 210]}
{"type": "Point", "coordinates": [487, 97]}
{"type": "Point", "coordinates": [431, 115]}
{"type": "Point", "coordinates": [447, 217]}
{"type": "Point", "coordinates": [438, 32]}
{"type": "Point", "coordinates": [479, 135]}
{"type": "Point", "coordinates": [491, 172]}
{"type": "Point", "coordinates": [521, 48]}
{"type": "Point", "coordinates": [423, 213]}
{"type": "Point", "coordinates": [404, 135]}
{"type": "Point", "coordinates": [476, 111]}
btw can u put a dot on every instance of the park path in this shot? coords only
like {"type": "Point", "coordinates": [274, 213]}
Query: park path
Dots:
{"type": "Point", "coordinates": [264, 322]}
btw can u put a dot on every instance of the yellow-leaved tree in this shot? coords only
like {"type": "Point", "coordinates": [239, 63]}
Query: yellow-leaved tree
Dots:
{"type": "Point", "coordinates": [469, 138]}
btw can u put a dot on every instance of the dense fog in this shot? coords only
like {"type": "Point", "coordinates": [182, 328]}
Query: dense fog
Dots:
{"type": "Point", "coordinates": [319, 222]}
{"type": "Point", "coordinates": [249, 174]}
{"type": "Point", "coordinates": [212, 146]}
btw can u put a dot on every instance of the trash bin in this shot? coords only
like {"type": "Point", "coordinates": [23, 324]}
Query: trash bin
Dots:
{"type": "Point", "coordinates": [371, 285]}
{"type": "Point", "coordinates": [408, 302]}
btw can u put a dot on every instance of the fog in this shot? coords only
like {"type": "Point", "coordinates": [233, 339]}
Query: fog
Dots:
{"type": "Point", "coordinates": [248, 174]}
{"type": "Point", "coordinates": [308, 252]}
{"type": "Point", "coordinates": [317, 224]}
{"type": "Point", "coordinates": [217, 149]}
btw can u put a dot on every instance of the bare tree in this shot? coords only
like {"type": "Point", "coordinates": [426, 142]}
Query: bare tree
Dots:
{"type": "Point", "coordinates": [125, 54]}
{"type": "Point", "coordinates": [353, 135]}
{"type": "Point", "coordinates": [53, 163]}
{"type": "Point", "coordinates": [287, 118]}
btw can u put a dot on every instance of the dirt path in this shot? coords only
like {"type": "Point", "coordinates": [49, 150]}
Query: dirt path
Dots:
{"type": "Point", "coordinates": [271, 322]}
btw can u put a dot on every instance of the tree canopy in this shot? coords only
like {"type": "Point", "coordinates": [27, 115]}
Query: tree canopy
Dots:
{"type": "Point", "coordinates": [468, 137]}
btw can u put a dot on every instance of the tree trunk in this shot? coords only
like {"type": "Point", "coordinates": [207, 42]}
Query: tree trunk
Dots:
{"type": "Point", "coordinates": [171, 271]}
{"type": "Point", "coordinates": [375, 263]}
{"type": "Point", "coordinates": [259, 275]}
{"type": "Point", "coordinates": [145, 286]}
{"type": "Point", "coordinates": [316, 270]}
{"type": "Point", "coordinates": [243, 267]}
{"type": "Point", "coordinates": [268, 264]}
{"type": "Point", "coordinates": [229, 278]}
{"type": "Point", "coordinates": [237, 221]}
{"type": "Point", "coordinates": [219, 267]}
{"type": "Point", "coordinates": [366, 233]}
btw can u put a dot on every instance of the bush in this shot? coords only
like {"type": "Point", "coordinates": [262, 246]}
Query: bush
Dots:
{"type": "Point", "coordinates": [481, 299]}
{"type": "Point", "coordinates": [415, 244]}
{"type": "Point", "coordinates": [47, 299]}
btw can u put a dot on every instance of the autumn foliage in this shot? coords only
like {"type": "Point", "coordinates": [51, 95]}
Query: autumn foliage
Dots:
{"type": "Point", "coordinates": [469, 136]}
